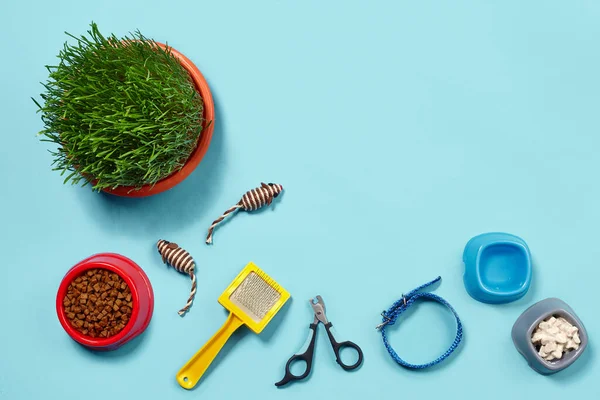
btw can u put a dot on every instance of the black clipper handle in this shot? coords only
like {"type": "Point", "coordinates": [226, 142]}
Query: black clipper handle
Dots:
{"type": "Point", "coordinates": [307, 357]}
{"type": "Point", "coordinates": [337, 348]}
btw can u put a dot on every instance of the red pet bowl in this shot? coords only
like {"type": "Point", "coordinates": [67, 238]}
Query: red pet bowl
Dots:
{"type": "Point", "coordinates": [141, 293]}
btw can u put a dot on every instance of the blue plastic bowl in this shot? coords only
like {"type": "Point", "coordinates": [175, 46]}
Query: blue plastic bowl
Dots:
{"type": "Point", "coordinates": [497, 267]}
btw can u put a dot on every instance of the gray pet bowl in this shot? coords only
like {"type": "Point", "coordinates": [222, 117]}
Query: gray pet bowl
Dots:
{"type": "Point", "coordinates": [523, 328]}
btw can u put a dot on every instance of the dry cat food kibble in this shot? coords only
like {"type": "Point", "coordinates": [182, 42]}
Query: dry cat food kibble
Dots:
{"type": "Point", "coordinates": [98, 303]}
{"type": "Point", "coordinates": [554, 337]}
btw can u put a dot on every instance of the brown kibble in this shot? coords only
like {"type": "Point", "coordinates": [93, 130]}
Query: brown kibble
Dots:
{"type": "Point", "coordinates": [98, 303]}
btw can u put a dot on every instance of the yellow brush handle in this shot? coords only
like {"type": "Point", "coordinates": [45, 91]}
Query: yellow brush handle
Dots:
{"type": "Point", "coordinates": [192, 371]}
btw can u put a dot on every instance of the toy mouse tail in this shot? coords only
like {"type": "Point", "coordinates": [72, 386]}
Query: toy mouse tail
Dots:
{"type": "Point", "coordinates": [188, 305]}
{"type": "Point", "coordinates": [209, 237]}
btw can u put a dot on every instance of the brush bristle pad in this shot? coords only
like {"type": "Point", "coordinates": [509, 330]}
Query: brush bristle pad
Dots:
{"type": "Point", "coordinates": [255, 297]}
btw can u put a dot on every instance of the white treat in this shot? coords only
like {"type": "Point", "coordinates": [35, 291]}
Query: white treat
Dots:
{"type": "Point", "coordinates": [558, 353]}
{"type": "Point", "coordinates": [550, 347]}
{"type": "Point", "coordinates": [537, 337]}
{"type": "Point", "coordinates": [561, 337]}
{"type": "Point", "coordinates": [556, 336]}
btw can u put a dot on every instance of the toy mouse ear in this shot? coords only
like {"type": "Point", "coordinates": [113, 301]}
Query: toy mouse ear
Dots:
{"type": "Point", "coordinates": [262, 184]}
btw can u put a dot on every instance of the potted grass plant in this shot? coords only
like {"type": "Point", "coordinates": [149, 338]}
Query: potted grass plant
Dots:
{"type": "Point", "coordinates": [131, 116]}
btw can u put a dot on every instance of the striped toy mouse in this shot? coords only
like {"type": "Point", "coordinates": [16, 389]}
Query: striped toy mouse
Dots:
{"type": "Point", "coordinates": [251, 200]}
{"type": "Point", "coordinates": [183, 262]}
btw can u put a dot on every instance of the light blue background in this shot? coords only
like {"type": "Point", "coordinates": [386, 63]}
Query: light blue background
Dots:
{"type": "Point", "coordinates": [398, 129]}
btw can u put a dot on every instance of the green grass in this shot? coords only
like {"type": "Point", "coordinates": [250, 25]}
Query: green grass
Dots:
{"type": "Point", "coordinates": [123, 112]}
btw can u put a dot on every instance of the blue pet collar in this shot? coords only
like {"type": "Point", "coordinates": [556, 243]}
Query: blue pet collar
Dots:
{"type": "Point", "coordinates": [391, 315]}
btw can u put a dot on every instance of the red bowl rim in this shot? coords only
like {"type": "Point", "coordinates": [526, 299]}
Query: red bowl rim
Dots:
{"type": "Point", "coordinates": [203, 141]}
{"type": "Point", "coordinates": [73, 273]}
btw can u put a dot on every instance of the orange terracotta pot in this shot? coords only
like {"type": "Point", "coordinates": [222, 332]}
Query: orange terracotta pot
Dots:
{"type": "Point", "coordinates": [203, 141]}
